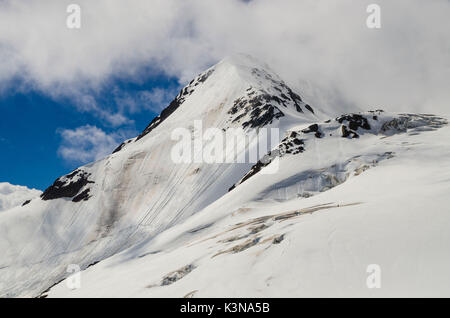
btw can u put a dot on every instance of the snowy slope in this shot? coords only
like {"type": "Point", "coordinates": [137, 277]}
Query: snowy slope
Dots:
{"type": "Point", "coordinates": [330, 197]}
{"type": "Point", "coordinates": [14, 195]}
{"type": "Point", "coordinates": [138, 191]}
{"type": "Point", "coordinates": [387, 205]}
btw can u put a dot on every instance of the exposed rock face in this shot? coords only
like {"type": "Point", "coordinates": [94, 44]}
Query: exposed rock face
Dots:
{"type": "Point", "coordinates": [351, 123]}
{"type": "Point", "coordinates": [177, 275]}
{"type": "Point", "coordinates": [286, 93]}
{"type": "Point", "coordinates": [68, 187]}
{"type": "Point", "coordinates": [355, 121]}
{"type": "Point", "coordinates": [256, 110]}
{"type": "Point", "coordinates": [83, 196]}
{"type": "Point", "coordinates": [259, 107]}
{"type": "Point", "coordinates": [313, 129]}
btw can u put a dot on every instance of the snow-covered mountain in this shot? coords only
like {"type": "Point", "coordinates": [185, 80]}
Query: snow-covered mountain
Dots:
{"type": "Point", "coordinates": [330, 197]}
{"type": "Point", "coordinates": [14, 195]}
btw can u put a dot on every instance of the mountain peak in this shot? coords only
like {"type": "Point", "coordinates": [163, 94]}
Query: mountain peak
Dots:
{"type": "Point", "coordinates": [246, 67]}
{"type": "Point", "coordinates": [243, 62]}
{"type": "Point", "coordinates": [242, 91]}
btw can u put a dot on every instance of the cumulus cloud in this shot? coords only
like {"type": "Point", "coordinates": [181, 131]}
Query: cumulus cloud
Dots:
{"type": "Point", "coordinates": [88, 103]}
{"type": "Point", "coordinates": [89, 143]}
{"type": "Point", "coordinates": [14, 195]}
{"type": "Point", "coordinates": [321, 47]}
{"type": "Point", "coordinates": [157, 98]}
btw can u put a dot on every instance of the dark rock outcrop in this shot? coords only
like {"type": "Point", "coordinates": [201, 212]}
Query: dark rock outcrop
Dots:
{"type": "Point", "coordinates": [83, 196]}
{"type": "Point", "coordinates": [260, 107]}
{"type": "Point", "coordinates": [68, 186]}
{"type": "Point", "coordinates": [352, 122]}
{"type": "Point", "coordinates": [256, 111]}
{"type": "Point", "coordinates": [313, 129]}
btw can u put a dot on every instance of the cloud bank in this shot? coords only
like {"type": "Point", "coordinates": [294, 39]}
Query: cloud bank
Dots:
{"type": "Point", "coordinates": [88, 143]}
{"type": "Point", "coordinates": [321, 47]}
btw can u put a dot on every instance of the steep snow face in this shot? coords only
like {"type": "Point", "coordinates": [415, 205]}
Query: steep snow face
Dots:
{"type": "Point", "coordinates": [139, 191]}
{"type": "Point", "coordinates": [14, 195]}
{"type": "Point", "coordinates": [335, 210]}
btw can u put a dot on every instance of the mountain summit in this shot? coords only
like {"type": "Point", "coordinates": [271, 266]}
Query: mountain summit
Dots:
{"type": "Point", "coordinates": [241, 91]}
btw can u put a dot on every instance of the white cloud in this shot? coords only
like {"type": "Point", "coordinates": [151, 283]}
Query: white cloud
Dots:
{"type": "Point", "coordinates": [157, 98]}
{"type": "Point", "coordinates": [89, 143]}
{"type": "Point", "coordinates": [323, 47]}
{"type": "Point", "coordinates": [88, 103]}
{"type": "Point", "coordinates": [14, 195]}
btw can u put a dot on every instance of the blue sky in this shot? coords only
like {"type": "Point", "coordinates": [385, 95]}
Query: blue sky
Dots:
{"type": "Point", "coordinates": [32, 125]}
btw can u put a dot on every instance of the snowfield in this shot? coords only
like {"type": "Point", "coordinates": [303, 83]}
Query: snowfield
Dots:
{"type": "Point", "coordinates": [349, 191]}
